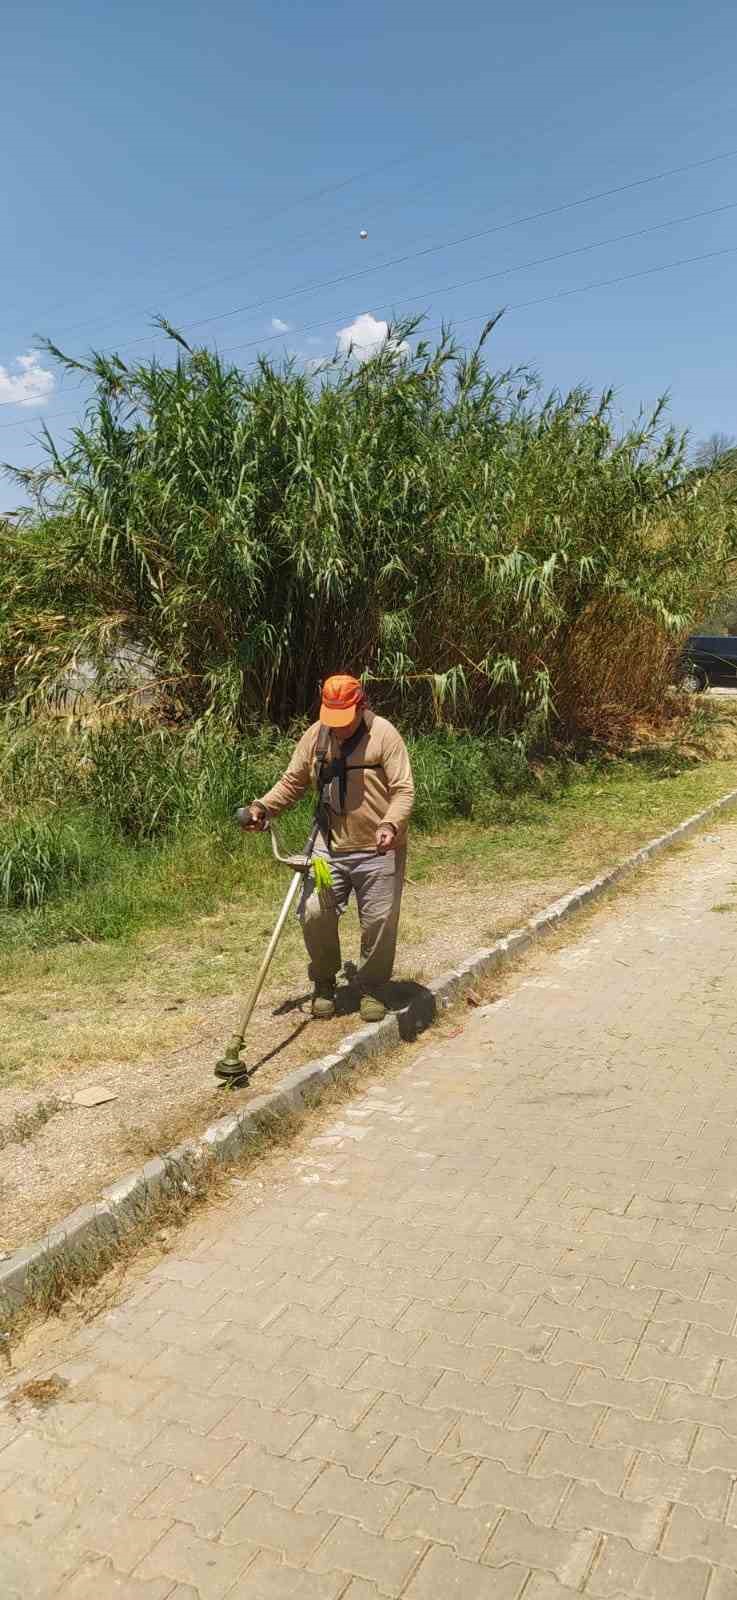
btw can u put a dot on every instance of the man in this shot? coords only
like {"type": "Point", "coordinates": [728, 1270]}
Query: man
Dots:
{"type": "Point", "coordinates": [359, 765]}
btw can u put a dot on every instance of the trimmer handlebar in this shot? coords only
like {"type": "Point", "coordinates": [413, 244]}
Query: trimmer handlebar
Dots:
{"type": "Point", "coordinates": [296, 863]}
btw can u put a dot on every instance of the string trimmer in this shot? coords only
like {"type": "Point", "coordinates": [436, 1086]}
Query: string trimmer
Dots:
{"type": "Point", "coordinates": [231, 1069]}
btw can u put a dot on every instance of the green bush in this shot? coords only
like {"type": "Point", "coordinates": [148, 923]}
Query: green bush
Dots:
{"type": "Point", "coordinates": [486, 555]}
{"type": "Point", "coordinates": [39, 857]}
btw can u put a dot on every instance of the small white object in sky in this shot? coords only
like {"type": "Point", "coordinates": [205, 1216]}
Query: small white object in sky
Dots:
{"type": "Point", "coordinates": [363, 234]}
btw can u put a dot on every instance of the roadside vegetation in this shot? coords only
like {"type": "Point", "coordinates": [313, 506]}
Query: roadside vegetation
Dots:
{"type": "Point", "coordinates": [489, 556]}
{"type": "Point", "coordinates": [511, 571]}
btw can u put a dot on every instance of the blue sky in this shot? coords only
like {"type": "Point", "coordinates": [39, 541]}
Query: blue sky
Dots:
{"type": "Point", "coordinates": [217, 163]}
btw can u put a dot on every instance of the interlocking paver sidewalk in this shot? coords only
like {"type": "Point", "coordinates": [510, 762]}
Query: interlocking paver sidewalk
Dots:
{"type": "Point", "coordinates": [478, 1339]}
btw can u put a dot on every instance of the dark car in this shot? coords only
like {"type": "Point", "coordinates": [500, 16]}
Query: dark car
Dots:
{"type": "Point", "coordinates": [708, 660]}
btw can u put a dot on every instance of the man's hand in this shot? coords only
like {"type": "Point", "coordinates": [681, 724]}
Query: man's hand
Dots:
{"type": "Point", "coordinates": [253, 819]}
{"type": "Point", "coordinates": [386, 838]}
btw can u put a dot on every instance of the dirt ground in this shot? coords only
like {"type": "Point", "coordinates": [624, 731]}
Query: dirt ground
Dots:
{"type": "Point", "coordinates": [49, 1167]}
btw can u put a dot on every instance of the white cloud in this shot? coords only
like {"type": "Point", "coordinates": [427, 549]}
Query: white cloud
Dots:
{"type": "Point", "coordinates": [365, 336]}
{"type": "Point", "coordinates": [279, 326]}
{"type": "Point", "coordinates": [32, 386]}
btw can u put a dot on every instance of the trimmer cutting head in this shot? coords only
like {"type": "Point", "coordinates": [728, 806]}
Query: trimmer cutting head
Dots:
{"type": "Point", "coordinates": [230, 1068]}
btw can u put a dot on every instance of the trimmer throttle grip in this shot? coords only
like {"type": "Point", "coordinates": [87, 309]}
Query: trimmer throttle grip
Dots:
{"type": "Point", "coordinates": [247, 820]}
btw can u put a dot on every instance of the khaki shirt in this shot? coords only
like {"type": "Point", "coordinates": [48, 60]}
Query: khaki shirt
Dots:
{"type": "Point", "coordinates": [384, 793]}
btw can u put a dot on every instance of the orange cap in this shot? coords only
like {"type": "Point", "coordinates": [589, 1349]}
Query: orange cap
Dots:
{"type": "Point", "coordinates": [342, 697]}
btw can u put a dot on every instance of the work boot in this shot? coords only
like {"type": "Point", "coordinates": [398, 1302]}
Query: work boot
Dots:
{"type": "Point", "coordinates": [323, 1000]}
{"type": "Point", "coordinates": [372, 1009]}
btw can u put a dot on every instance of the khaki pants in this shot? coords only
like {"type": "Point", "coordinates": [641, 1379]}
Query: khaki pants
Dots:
{"type": "Point", "coordinates": [377, 882]}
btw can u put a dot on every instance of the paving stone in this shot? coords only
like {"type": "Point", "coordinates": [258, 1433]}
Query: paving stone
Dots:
{"type": "Point", "coordinates": [359, 1589]}
{"type": "Point", "coordinates": [198, 1412]}
{"type": "Point", "coordinates": [373, 1339]}
{"type": "Point", "coordinates": [359, 1449]}
{"type": "Point", "coordinates": [441, 1354]}
{"type": "Point", "coordinates": [405, 1463]}
{"type": "Point", "coordinates": [268, 1578]}
{"type": "Point", "coordinates": [543, 1587]}
{"type": "Point", "coordinates": [129, 1355]}
{"type": "Point", "coordinates": [206, 1507]}
{"type": "Point", "coordinates": [640, 1398]}
{"type": "Point", "coordinates": [194, 1452]}
{"type": "Point", "coordinates": [244, 1381]}
{"type": "Point", "coordinates": [275, 1430]}
{"type": "Point", "coordinates": [392, 1377]}
{"type": "Point", "coordinates": [684, 1405]}
{"type": "Point", "coordinates": [495, 1484]}
{"type": "Point", "coordinates": [708, 1492]}
{"type": "Point", "coordinates": [345, 1406]}
{"type": "Point", "coordinates": [126, 1436]}
{"type": "Point", "coordinates": [428, 1428]}
{"type": "Point", "coordinates": [97, 1580]}
{"type": "Point", "coordinates": [123, 1394]}
{"type": "Point", "coordinates": [515, 1447]}
{"type": "Point", "coordinates": [381, 1311]}
{"type": "Point", "coordinates": [28, 1570]}
{"type": "Point", "coordinates": [513, 1306]}
{"type": "Point", "coordinates": [104, 1477]}
{"type": "Point", "coordinates": [723, 1586]}
{"type": "Point", "coordinates": [253, 1468]}
{"type": "Point", "coordinates": [497, 1357]}
{"type": "Point", "coordinates": [261, 1350]}
{"type": "Point", "coordinates": [555, 1379]}
{"type": "Point", "coordinates": [690, 1534]}
{"type": "Point", "coordinates": [124, 1540]}
{"type": "Point", "coordinates": [211, 1568]}
{"type": "Point", "coordinates": [467, 1528]}
{"type": "Point", "coordinates": [620, 1570]}
{"type": "Point", "coordinates": [292, 1534]}
{"type": "Point", "coordinates": [386, 1562]}
{"type": "Point", "coordinates": [371, 1504]}
{"type": "Point", "coordinates": [641, 1523]}
{"type": "Point", "coordinates": [499, 1333]}
{"type": "Point", "coordinates": [23, 1505]}
{"type": "Point", "coordinates": [671, 1440]}
{"type": "Point", "coordinates": [586, 1320]}
{"type": "Point", "coordinates": [602, 1465]}
{"type": "Point", "coordinates": [577, 1422]}
{"type": "Point", "coordinates": [50, 1466]}
{"type": "Point", "coordinates": [518, 1539]}
{"type": "Point", "coordinates": [698, 1374]}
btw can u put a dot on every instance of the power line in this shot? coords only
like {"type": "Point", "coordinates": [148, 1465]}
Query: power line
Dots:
{"type": "Point", "coordinates": [536, 216]}
{"type": "Point", "coordinates": [267, 250]}
{"type": "Point", "coordinates": [608, 283]}
{"type": "Point", "coordinates": [522, 305]}
{"type": "Point", "coordinates": [503, 272]}
{"type": "Point", "coordinates": [306, 199]}
{"type": "Point", "coordinates": [521, 266]}
{"type": "Point", "coordinates": [451, 244]}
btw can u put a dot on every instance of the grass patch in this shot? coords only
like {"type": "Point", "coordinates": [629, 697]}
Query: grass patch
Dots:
{"type": "Point", "coordinates": [182, 923]}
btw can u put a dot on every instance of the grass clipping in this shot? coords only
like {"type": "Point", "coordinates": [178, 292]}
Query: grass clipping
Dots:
{"type": "Point", "coordinates": [323, 881]}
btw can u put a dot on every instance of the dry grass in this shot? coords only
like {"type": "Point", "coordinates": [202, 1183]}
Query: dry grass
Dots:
{"type": "Point", "coordinates": [148, 1019]}
{"type": "Point", "coordinates": [25, 1124]}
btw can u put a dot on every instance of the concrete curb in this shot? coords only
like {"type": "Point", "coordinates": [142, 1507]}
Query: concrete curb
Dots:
{"type": "Point", "coordinates": [126, 1202]}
